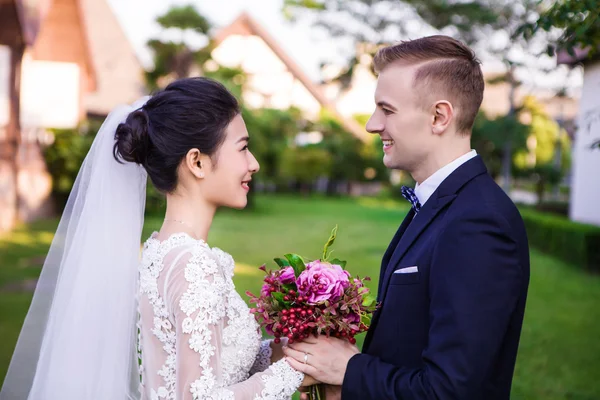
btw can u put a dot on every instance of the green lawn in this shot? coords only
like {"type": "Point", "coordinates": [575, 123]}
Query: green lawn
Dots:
{"type": "Point", "coordinates": [559, 356]}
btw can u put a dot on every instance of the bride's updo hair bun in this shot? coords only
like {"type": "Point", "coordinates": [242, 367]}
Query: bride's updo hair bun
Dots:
{"type": "Point", "coordinates": [132, 138]}
{"type": "Point", "coordinates": [190, 113]}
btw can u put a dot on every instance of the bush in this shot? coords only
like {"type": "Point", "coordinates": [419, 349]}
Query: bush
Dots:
{"type": "Point", "coordinates": [304, 165]}
{"type": "Point", "coordinates": [64, 158]}
{"type": "Point", "coordinates": [554, 207]}
{"type": "Point", "coordinates": [569, 241]}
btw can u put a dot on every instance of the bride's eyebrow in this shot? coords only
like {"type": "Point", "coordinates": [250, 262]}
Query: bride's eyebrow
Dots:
{"type": "Point", "coordinates": [243, 139]}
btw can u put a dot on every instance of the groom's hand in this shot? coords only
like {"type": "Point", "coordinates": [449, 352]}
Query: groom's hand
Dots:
{"type": "Point", "coordinates": [326, 358]}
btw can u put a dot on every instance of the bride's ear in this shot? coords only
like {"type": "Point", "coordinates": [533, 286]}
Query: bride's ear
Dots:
{"type": "Point", "coordinates": [197, 163]}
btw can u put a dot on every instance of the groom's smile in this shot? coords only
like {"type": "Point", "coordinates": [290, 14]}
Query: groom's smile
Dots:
{"type": "Point", "coordinates": [387, 143]}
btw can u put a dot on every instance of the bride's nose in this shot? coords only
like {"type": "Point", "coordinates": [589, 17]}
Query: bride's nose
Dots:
{"type": "Point", "coordinates": [253, 166]}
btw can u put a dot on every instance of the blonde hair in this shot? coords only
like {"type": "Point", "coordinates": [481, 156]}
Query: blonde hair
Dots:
{"type": "Point", "coordinates": [447, 66]}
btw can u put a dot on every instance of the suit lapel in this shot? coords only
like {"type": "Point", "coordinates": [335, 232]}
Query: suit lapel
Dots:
{"type": "Point", "coordinates": [384, 263]}
{"type": "Point", "coordinates": [411, 228]}
{"type": "Point", "coordinates": [420, 222]}
{"type": "Point", "coordinates": [445, 193]}
{"type": "Point", "coordinates": [392, 247]}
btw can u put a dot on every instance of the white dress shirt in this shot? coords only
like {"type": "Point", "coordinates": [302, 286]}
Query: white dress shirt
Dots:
{"type": "Point", "coordinates": [430, 185]}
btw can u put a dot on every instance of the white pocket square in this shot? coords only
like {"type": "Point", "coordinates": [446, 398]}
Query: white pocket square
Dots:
{"type": "Point", "coordinates": [407, 270]}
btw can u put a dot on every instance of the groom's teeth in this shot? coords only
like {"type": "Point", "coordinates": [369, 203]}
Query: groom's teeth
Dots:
{"type": "Point", "coordinates": [387, 142]}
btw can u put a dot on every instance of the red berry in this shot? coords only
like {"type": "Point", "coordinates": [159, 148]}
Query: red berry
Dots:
{"type": "Point", "coordinates": [286, 298]}
{"type": "Point", "coordinates": [309, 312]}
{"type": "Point", "coordinates": [277, 340]}
{"type": "Point", "coordinates": [291, 341]}
{"type": "Point", "coordinates": [291, 292]}
{"type": "Point", "coordinates": [271, 289]}
{"type": "Point", "coordinates": [352, 340]}
{"type": "Point", "coordinates": [303, 313]}
{"type": "Point", "coordinates": [286, 331]}
{"type": "Point", "coordinates": [284, 318]}
{"type": "Point", "coordinates": [284, 312]}
{"type": "Point", "coordinates": [290, 335]}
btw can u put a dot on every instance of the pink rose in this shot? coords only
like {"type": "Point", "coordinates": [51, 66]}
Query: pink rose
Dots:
{"type": "Point", "coordinates": [322, 281]}
{"type": "Point", "coordinates": [287, 275]}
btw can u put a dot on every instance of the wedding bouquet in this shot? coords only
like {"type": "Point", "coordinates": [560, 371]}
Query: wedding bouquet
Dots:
{"type": "Point", "coordinates": [303, 298]}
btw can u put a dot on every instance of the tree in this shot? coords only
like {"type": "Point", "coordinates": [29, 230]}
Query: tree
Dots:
{"type": "Point", "coordinates": [176, 59]}
{"type": "Point", "coordinates": [489, 136]}
{"type": "Point", "coordinates": [573, 25]}
{"type": "Point", "coordinates": [569, 25]}
{"type": "Point", "coordinates": [368, 24]}
{"type": "Point", "coordinates": [489, 26]}
{"type": "Point", "coordinates": [352, 160]}
{"type": "Point", "coordinates": [271, 132]}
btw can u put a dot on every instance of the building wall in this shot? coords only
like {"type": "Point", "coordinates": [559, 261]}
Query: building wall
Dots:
{"type": "Point", "coordinates": [270, 83]}
{"type": "Point", "coordinates": [62, 38]}
{"type": "Point", "coordinates": [585, 189]}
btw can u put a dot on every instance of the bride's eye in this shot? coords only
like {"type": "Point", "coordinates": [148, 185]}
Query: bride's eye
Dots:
{"type": "Point", "coordinates": [245, 148]}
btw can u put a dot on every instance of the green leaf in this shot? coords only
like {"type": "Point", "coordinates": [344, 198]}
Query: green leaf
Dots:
{"type": "Point", "coordinates": [329, 242]}
{"type": "Point", "coordinates": [368, 301]}
{"type": "Point", "coordinates": [296, 262]}
{"type": "Point", "coordinates": [338, 262]}
{"type": "Point", "coordinates": [281, 262]}
{"type": "Point", "coordinates": [290, 286]}
{"type": "Point", "coordinates": [278, 296]}
{"type": "Point", "coordinates": [366, 319]}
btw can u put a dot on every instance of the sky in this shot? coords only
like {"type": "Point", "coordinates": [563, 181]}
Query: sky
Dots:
{"type": "Point", "coordinates": [301, 41]}
{"type": "Point", "coordinates": [295, 39]}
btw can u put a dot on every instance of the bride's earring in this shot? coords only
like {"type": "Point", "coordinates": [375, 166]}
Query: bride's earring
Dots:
{"type": "Point", "coordinates": [200, 166]}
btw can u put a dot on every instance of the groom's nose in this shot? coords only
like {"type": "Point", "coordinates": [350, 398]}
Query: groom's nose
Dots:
{"type": "Point", "coordinates": [375, 124]}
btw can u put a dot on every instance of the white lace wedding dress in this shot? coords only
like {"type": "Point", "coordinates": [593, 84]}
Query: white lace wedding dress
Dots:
{"type": "Point", "coordinates": [197, 337]}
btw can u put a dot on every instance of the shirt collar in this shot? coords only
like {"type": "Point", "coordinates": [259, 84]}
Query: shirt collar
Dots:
{"type": "Point", "coordinates": [430, 185]}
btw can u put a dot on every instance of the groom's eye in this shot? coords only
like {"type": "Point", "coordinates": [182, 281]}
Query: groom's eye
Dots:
{"type": "Point", "coordinates": [386, 111]}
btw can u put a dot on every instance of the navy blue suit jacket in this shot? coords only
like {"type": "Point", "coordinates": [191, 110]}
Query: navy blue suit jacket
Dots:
{"type": "Point", "coordinates": [450, 330]}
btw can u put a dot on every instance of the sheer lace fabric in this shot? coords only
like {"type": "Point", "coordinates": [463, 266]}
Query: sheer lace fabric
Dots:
{"type": "Point", "coordinates": [197, 338]}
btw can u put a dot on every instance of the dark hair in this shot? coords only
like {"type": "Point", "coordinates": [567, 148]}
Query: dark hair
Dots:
{"type": "Point", "coordinates": [190, 113]}
{"type": "Point", "coordinates": [449, 68]}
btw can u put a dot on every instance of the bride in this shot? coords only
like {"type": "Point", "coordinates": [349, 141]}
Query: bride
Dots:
{"type": "Point", "coordinates": [175, 328]}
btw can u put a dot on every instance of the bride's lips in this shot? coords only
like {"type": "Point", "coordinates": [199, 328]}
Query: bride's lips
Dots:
{"type": "Point", "coordinates": [246, 185]}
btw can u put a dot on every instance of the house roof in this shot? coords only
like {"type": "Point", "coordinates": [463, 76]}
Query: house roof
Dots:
{"type": "Point", "coordinates": [20, 20]}
{"type": "Point", "coordinates": [245, 25]}
{"type": "Point", "coordinates": [119, 74]}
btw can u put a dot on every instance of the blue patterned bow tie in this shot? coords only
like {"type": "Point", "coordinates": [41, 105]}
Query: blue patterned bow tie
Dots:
{"type": "Point", "coordinates": [409, 194]}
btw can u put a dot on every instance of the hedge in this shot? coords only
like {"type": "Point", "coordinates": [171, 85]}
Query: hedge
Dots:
{"type": "Point", "coordinates": [572, 242]}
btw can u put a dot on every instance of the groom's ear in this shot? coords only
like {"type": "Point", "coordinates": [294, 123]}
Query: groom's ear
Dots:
{"type": "Point", "coordinates": [443, 114]}
{"type": "Point", "coordinates": [196, 162]}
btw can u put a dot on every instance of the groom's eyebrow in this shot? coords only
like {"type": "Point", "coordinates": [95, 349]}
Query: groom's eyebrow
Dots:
{"type": "Point", "coordinates": [386, 105]}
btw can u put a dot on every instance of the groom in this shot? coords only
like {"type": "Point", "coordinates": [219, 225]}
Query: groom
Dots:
{"type": "Point", "coordinates": [454, 279]}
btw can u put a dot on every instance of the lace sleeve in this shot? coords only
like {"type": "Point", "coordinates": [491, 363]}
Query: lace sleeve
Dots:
{"type": "Point", "coordinates": [263, 358]}
{"type": "Point", "coordinates": [198, 292]}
